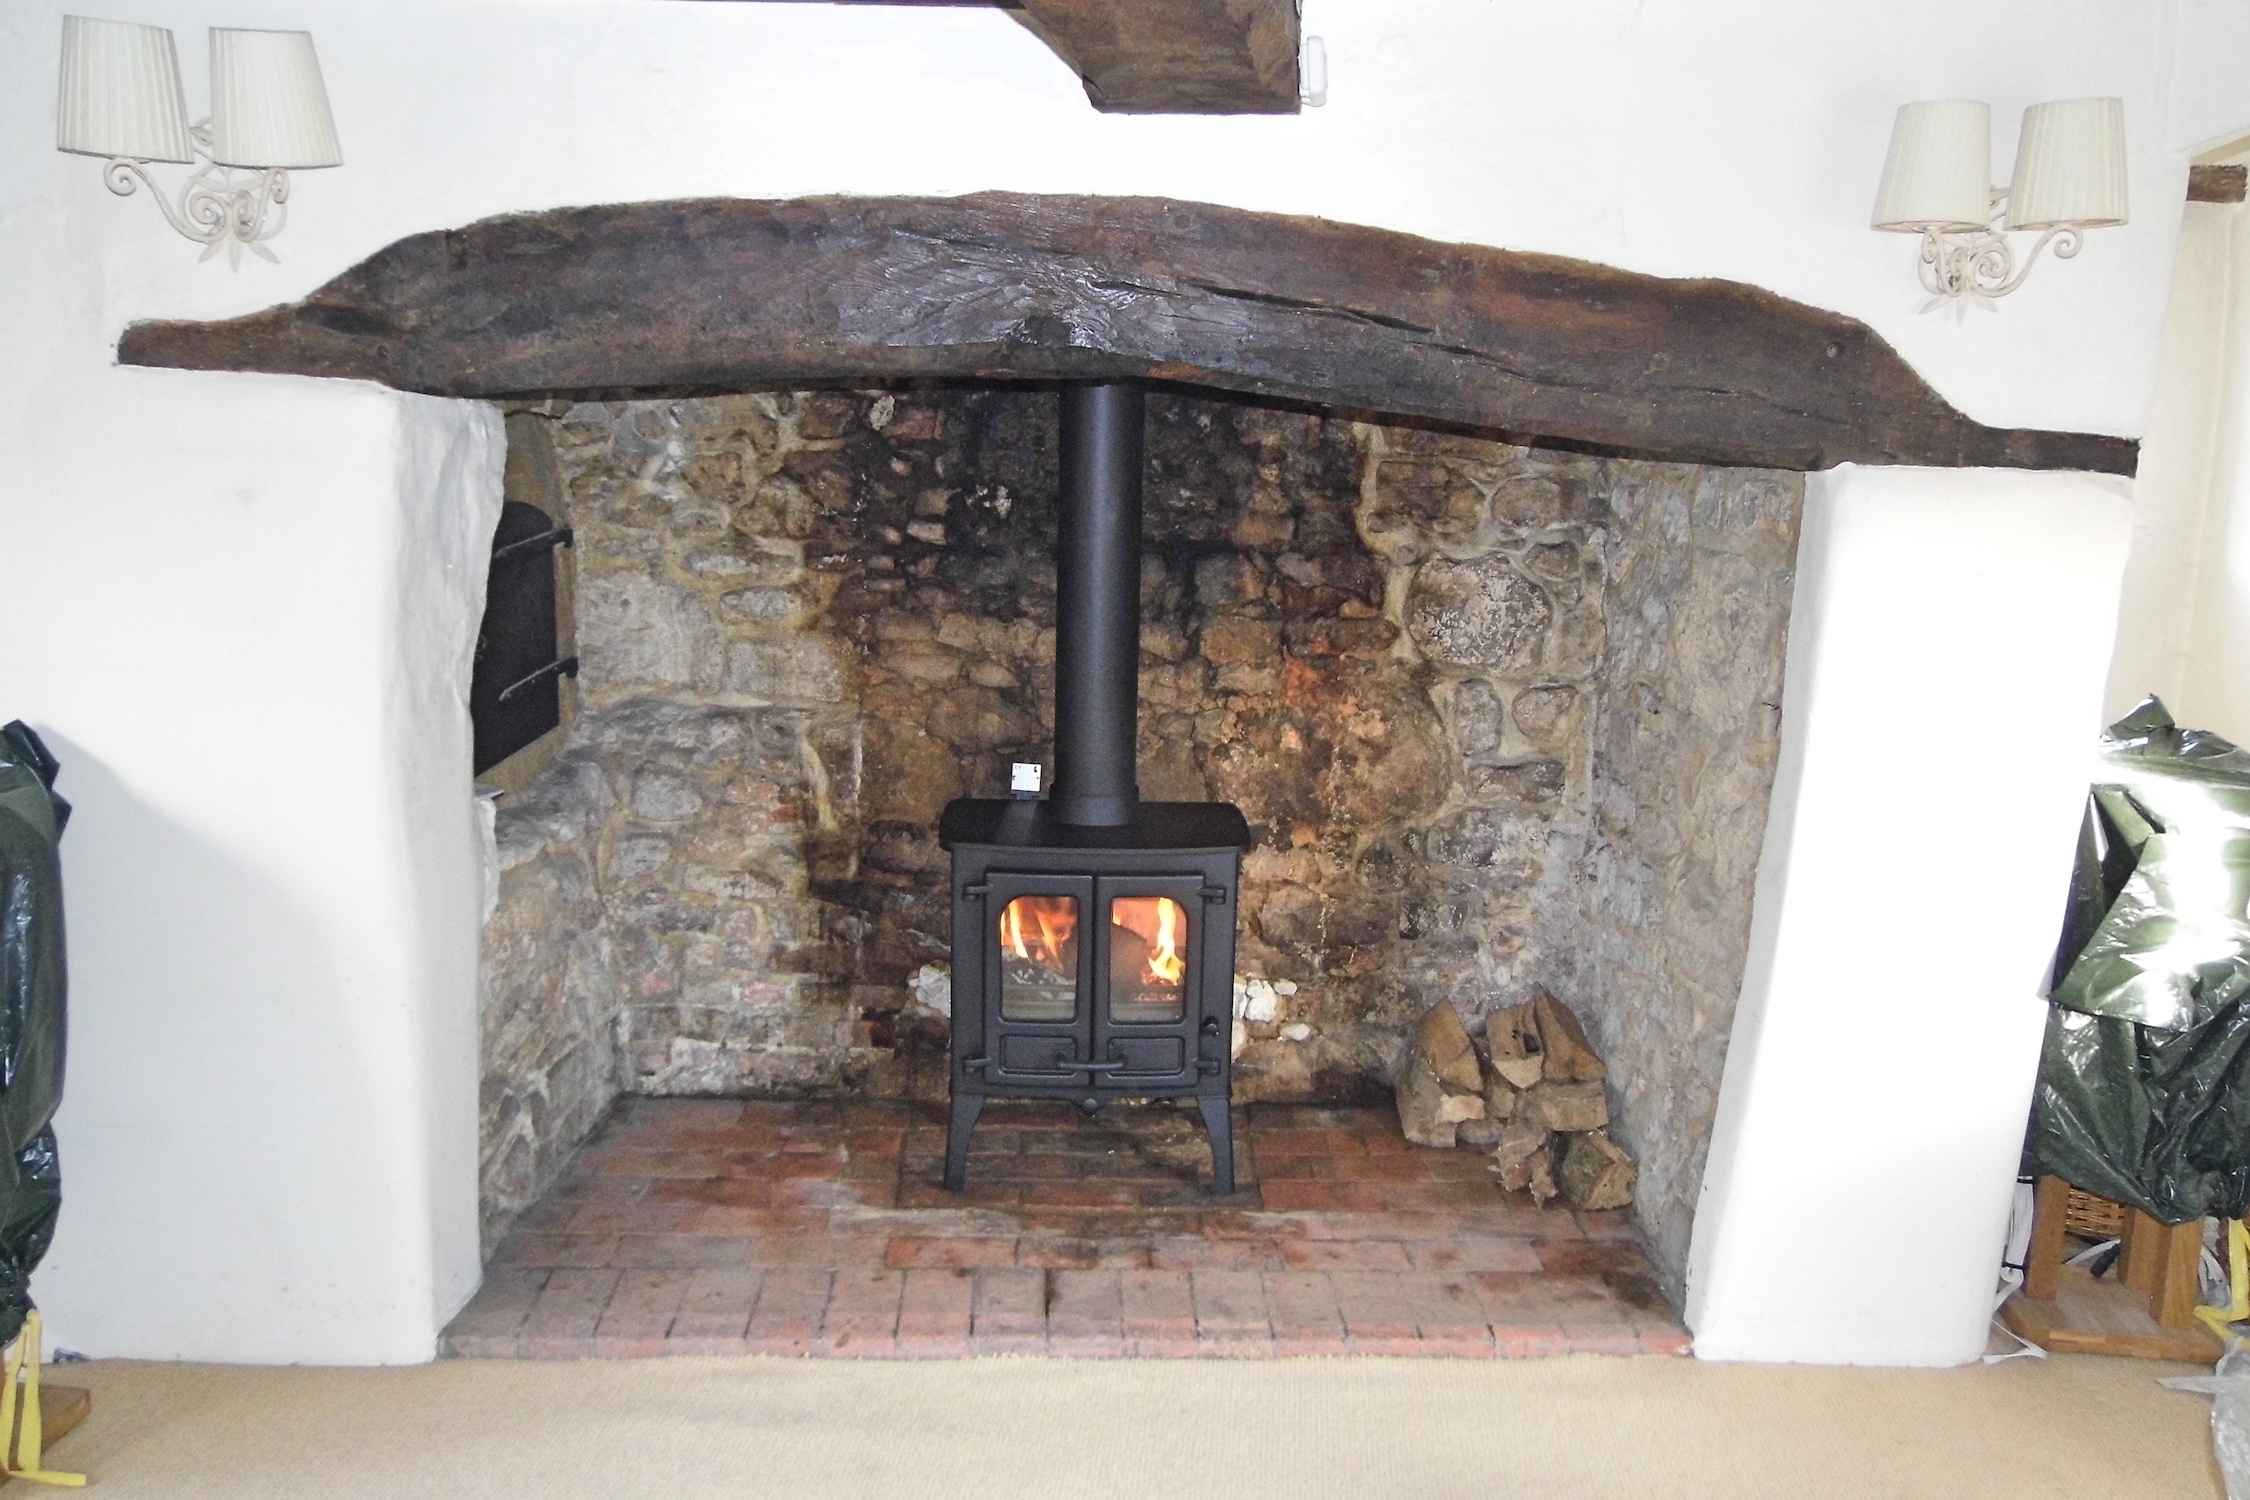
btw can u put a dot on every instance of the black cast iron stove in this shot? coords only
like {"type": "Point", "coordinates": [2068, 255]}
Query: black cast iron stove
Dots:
{"type": "Point", "coordinates": [1093, 933]}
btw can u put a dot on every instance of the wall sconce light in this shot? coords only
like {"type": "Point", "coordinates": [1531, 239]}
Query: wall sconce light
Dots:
{"type": "Point", "coordinates": [2069, 177]}
{"type": "Point", "coordinates": [121, 98]}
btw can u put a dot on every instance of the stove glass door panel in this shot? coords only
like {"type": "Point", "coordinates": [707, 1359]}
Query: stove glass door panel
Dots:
{"type": "Point", "coordinates": [1039, 959]}
{"type": "Point", "coordinates": [1038, 1009]}
{"type": "Point", "coordinates": [1150, 942]}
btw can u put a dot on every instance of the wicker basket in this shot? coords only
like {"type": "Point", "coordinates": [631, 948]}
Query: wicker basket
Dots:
{"type": "Point", "coordinates": [2092, 1218]}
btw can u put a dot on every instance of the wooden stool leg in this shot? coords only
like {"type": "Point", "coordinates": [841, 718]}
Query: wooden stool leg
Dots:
{"type": "Point", "coordinates": [2042, 1263]}
{"type": "Point", "coordinates": [2177, 1293]}
{"type": "Point", "coordinates": [2140, 1260]}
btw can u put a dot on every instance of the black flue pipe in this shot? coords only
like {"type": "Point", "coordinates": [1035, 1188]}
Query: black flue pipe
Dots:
{"type": "Point", "coordinates": [1098, 606]}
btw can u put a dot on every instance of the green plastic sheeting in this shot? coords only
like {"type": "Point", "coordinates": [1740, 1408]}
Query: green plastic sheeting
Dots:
{"type": "Point", "coordinates": [31, 1014]}
{"type": "Point", "coordinates": [2144, 1087]}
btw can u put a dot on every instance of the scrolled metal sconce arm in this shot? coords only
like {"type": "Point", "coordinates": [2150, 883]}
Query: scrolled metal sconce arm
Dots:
{"type": "Point", "coordinates": [219, 207]}
{"type": "Point", "coordinates": [1970, 268]}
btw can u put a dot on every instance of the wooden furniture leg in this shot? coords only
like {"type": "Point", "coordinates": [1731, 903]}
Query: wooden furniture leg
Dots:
{"type": "Point", "coordinates": [2147, 1310]}
{"type": "Point", "coordinates": [2042, 1263]}
{"type": "Point", "coordinates": [2179, 1255]}
{"type": "Point", "coordinates": [2159, 1261]}
{"type": "Point", "coordinates": [2139, 1258]}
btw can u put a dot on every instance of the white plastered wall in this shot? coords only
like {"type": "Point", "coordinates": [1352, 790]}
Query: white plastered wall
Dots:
{"type": "Point", "coordinates": [237, 605]}
{"type": "Point", "coordinates": [1946, 652]}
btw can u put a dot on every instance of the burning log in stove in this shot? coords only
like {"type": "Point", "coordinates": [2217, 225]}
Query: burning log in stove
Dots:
{"type": "Point", "coordinates": [1531, 1096]}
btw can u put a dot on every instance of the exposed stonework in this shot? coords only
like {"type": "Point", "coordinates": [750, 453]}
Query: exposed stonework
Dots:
{"type": "Point", "coordinates": [807, 621]}
{"type": "Point", "coordinates": [1685, 731]}
{"type": "Point", "coordinates": [550, 997]}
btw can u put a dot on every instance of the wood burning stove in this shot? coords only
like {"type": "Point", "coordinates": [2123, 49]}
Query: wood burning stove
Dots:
{"type": "Point", "coordinates": [1093, 933]}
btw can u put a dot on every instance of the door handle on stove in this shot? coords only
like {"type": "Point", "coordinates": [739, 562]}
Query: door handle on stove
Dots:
{"type": "Point", "coordinates": [1060, 1065]}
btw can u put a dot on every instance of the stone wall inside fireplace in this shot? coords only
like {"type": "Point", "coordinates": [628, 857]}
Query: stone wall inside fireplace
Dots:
{"type": "Point", "coordinates": [1499, 716]}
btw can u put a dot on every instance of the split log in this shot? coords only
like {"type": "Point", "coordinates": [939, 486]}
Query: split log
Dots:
{"type": "Point", "coordinates": [1564, 1107]}
{"type": "Point", "coordinates": [1511, 1037]}
{"type": "Point", "coordinates": [1444, 1042]}
{"type": "Point", "coordinates": [1594, 1172]}
{"type": "Point", "coordinates": [1512, 1154]}
{"type": "Point", "coordinates": [1443, 1083]}
{"type": "Point", "coordinates": [1540, 1178]}
{"type": "Point", "coordinates": [1570, 1058]}
{"type": "Point", "coordinates": [1479, 1135]}
{"type": "Point", "coordinates": [1421, 1112]}
{"type": "Point", "coordinates": [726, 294]}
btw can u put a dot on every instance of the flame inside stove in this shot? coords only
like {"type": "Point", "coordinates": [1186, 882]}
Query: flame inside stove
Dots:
{"type": "Point", "coordinates": [1148, 940]}
{"type": "Point", "coordinates": [1161, 928]}
{"type": "Point", "coordinates": [1042, 930]}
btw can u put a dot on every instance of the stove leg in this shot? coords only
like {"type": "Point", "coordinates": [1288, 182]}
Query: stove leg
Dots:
{"type": "Point", "coordinates": [1218, 1122]}
{"type": "Point", "coordinates": [958, 1129]}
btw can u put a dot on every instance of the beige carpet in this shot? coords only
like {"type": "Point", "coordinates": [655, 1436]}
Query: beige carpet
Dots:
{"type": "Point", "coordinates": [2076, 1427]}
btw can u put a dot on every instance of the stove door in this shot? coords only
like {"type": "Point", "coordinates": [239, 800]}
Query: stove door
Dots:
{"type": "Point", "coordinates": [1148, 962]}
{"type": "Point", "coordinates": [1038, 993]}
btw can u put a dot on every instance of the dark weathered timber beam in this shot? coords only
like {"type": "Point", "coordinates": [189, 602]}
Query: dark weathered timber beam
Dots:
{"type": "Point", "coordinates": [1177, 57]}
{"type": "Point", "coordinates": [1166, 57]}
{"type": "Point", "coordinates": [710, 294]}
{"type": "Point", "coordinates": [2217, 184]}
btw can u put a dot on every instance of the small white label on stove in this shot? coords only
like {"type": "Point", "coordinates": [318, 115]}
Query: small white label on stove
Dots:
{"type": "Point", "coordinates": [1023, 779]}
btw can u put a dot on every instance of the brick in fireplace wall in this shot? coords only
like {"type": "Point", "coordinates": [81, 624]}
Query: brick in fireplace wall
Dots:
{"type": "Point", "coordinates": [808, 620]}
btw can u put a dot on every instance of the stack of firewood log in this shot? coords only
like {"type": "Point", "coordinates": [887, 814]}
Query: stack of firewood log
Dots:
{"type": "Point", "coordinates": [1528, 1092]}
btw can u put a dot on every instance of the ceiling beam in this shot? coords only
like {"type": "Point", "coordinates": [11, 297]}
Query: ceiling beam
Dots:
{"type": "Point", "coordinates": [727, 294]}
{"type": "Point", "coordinates": [1177, 57]}
{"type": "Point", "coordinates": [1166, 57]}
{"type": "Point", "coordinates": [2217, 184]}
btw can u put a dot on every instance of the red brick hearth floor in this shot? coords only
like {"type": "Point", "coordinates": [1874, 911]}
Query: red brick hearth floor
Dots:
{"type": "Point", "coordinates": [721, 1227]}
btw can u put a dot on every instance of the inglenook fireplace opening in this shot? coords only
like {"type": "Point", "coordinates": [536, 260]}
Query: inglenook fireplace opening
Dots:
{"type": "Point", "coordinates": [1094, 933]}
{"type": "Point", "coordinates": [1465, 603]}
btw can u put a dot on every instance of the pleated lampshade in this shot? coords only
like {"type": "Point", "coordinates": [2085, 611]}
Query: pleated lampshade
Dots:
{"type": "Point", "coordinates": [268, 105]}
{"type": "Point", "coordinates": [120, 92]}
{"type": "Point", "coordinates": [2070, 165]}
{"type": "Point", "coordinates": [1939, 171]}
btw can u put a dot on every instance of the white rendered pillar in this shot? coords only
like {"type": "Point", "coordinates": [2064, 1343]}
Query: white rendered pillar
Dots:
{"type": "Point", "coordinates": [258, 603]}
{"type": "Point", "coordinates": [1947, 651]}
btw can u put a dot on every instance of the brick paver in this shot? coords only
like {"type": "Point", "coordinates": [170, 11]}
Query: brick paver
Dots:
{"type": "Point", "coordinates": [569, 1309]}
{"type": "Point", "coordinates": [862, 1315]}
{"type": "Point", "coordinates": [1305, 1317]}
{"type": "Point", "coordinates": [1010, 1312]}
{"type": "Point", "coordinates": [714, 1312]}
{"type": "Point", "coordinates": [640, 1313]}
{"type": "Point", "coordinates": [788, 1314]}
{"type": "Point", "coordinates": [1159, 1312]}
{"type": "Point", "coordinates": [1230, 1311]}
{"type": "Point", "coordinates": [1085, 1314]}
{"type": "Point", "coordinates": [934, 1314]}
{"type": "Point", "coordinates": [695, 1226]}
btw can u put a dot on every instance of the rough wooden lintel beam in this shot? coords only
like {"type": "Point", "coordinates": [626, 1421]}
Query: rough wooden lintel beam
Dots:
{"type": "Point", "coordinates": [716, 294]}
